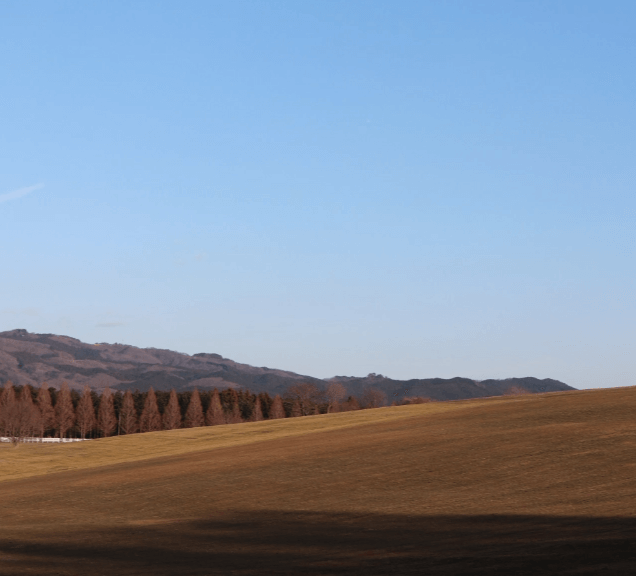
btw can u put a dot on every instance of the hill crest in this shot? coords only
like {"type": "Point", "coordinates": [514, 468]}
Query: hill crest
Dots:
{"type": "Point", "coordinates": [28, 358]}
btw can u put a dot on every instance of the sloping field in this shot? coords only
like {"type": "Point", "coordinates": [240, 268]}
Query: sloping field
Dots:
{"type": "Point", "coordinates": [523, 485]}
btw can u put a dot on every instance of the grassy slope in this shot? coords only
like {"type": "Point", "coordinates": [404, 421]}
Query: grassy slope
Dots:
{"type": "Point", "coordinates": [526, 485]}
{"type": "Point", "coordinates": [34, 459]}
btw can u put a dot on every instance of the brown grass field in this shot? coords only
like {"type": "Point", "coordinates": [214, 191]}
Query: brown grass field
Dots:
{"type": "Point", "coordinates": [541, 484]}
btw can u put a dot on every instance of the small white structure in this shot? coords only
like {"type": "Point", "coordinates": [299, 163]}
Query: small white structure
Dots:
{"type": "Point", "coordinates": [42, 440]}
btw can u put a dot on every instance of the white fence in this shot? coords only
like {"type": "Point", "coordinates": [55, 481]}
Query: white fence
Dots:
{"type": "Point", "coordinates": [42, 440]}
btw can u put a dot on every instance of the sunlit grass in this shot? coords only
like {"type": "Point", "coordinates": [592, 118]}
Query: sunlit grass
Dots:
{"type": "Point", "coordinates": [37, 459]}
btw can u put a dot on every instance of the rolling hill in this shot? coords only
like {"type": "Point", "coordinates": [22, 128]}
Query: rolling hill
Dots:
{"type": "Point", "coordinates": [27, 358]}
{"type": "Point", "coordinates": [536, 484]}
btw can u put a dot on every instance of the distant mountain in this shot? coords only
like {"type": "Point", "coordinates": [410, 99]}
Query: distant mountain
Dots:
{"type": "Point", "coordinates": [449, 388]}
{"type": "Point", "coordinates": [27, 358]}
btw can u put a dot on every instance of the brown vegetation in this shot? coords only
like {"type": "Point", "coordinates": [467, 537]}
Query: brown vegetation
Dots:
{"type": "Point", "coordinates": [519, 485]}
{"type": "Point", "coordinates": [277, 411]}
{"type": "Point", "coordinates": [128, 422]}
{"type": "Point", "coordinates": [214, 415]}
{"type": "Point", "coordinates": [194, 414]}
{"type": "Point", "coordinates": [64, 412]}
{"type": "Point", "coordinates": [47, 414]}
{"type": "Point", "coordinates": [85, 413]}
{"type": "Point", "coordinates": [106, 419]}
{"type": "Point", "coordinates": [150, 419]}
{"type": "Point", "coordinates": [172, 413]}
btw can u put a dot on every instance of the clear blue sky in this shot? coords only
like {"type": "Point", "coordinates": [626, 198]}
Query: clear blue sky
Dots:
{"type": "Point", "coordinates": [416, 189]}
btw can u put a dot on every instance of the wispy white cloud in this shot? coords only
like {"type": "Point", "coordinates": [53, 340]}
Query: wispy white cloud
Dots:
{"type": "Point", "coordinates": [22, 312]}
{"type": "Point", "coordinates": [15, 194]}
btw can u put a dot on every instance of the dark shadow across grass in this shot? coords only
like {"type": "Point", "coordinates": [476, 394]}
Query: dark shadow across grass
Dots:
{"type": "Point", "coordinates": [341, 544]}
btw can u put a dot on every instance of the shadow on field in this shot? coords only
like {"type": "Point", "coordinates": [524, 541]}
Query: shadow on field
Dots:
{"type": "Point", "coordinates": [317, 543]}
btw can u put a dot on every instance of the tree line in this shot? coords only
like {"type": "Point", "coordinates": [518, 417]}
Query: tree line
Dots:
{"type": "Point", "coordinates": [30, 412]}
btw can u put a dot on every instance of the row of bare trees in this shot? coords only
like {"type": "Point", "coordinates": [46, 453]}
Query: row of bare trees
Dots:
{"type": "Point", "coordinates": [25, 412]}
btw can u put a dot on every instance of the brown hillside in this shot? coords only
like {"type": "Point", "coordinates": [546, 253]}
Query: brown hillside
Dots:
{"type": "Point", "coordinates": [27, 358]}
{"type": "Point", "coordinates": [522, 485]}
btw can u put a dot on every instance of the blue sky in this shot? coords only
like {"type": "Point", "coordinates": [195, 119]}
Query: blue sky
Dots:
{"type": "Point", "coordinates": [416, 189]}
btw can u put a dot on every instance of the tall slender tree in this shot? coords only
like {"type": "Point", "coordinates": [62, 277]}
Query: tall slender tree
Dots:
{"type": "Point", "coordinates": [18, 416]}
{"type": "Point", "coordinates": [277, 410]}
{"type": "Point", "coordinates": [8, 406]}
{"type": "Point", "coordinates": [64, 411]}
{"type": "Point", "coordinates": [47, 414]}
{"type": "Point", "coordinates": [336, 393]}
{"type": "Point", "coordinates": [150, 419]}
{"type": "Point", "coordinates": [266, 404]}
{"type": "Point", "coordinates": [257, 412]}
{"type": "Point", "coordinates": [172, 413]}
{"type": "Point", "coordinates": [28, 416]}
{"type": "Point", "coordinates": [85, 412]}
{"type": "Point", "coordinates": [215, 416]}
{"type": "Point", "coordinates": [128, 415]}
{"type": "Point", "coordinates": [194, 413]}
{"type": "Point", "coordinates": [233, 416]}
{"type": "Point", "coordinates": [106, 420]}
{"type": "Point", "coordinates": [297, 409]}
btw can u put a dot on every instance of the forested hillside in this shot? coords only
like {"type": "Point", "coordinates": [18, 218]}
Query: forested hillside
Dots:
{"type": "Point", "coordinates": [34, 359]}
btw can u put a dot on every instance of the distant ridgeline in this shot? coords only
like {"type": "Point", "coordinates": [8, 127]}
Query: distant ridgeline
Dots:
{"type": "Point", "coordinates": [32, 359]}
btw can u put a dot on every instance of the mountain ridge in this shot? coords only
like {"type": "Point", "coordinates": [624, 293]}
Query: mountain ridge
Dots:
{"type": "Point", "coordinates": [29, 358]}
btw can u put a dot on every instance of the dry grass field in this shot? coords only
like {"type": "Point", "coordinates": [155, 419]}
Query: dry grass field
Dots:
{"type": "Point", "coordinates": [519, 485]}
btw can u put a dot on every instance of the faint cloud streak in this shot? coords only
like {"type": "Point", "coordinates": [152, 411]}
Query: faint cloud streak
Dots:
{"type": "Point", "coordinates": [22, 312]}
{"type": "Point", "coordinates": [109, 324]}
{"type": "Point", "coordinates": [19, 193]}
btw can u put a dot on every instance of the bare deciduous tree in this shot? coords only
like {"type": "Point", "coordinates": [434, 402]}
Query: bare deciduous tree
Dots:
{"type": "Point", "coordinates": [128, 414]}
{"type": "Point", "coordinates": [277, 411]}
{"type": "Point", "coordinates": [307, 395]}
{"type": "Point", "coordinates": [194, 413]}
{"type": "Point", "coordinates": [7, 410]}
{"type": "Point", "coordinates": [47, 414]}
{"type": "Point", "coordinates": [106, 420]}
{"type": "Point", "coordinates": [233, 416]}
{"type": "Point", "coordinates": [19, 417]}
{"type": "Point", "coordinates": [335, 393]}
{"type": "Point", "coordinates": [28, 416]}
{"type": "Point", "coordinates": [415, 400]}
{"type": "Point", "coordinates": [85, 412]}
{"type": "Point", "coordinates": [373, 398]}
{"type": "Point", "coordinates": [150, 419]}
{"type": "Point", "coordinates": [350, 404]}
{"type": "Point", "coordinates": [64, 411]}
{"type": "Point", "coordinates": [257, 412]}
{"type": "Point", "coordinates": [172, 413]}
{"type": "Point", "coordinates": [215, 416]}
